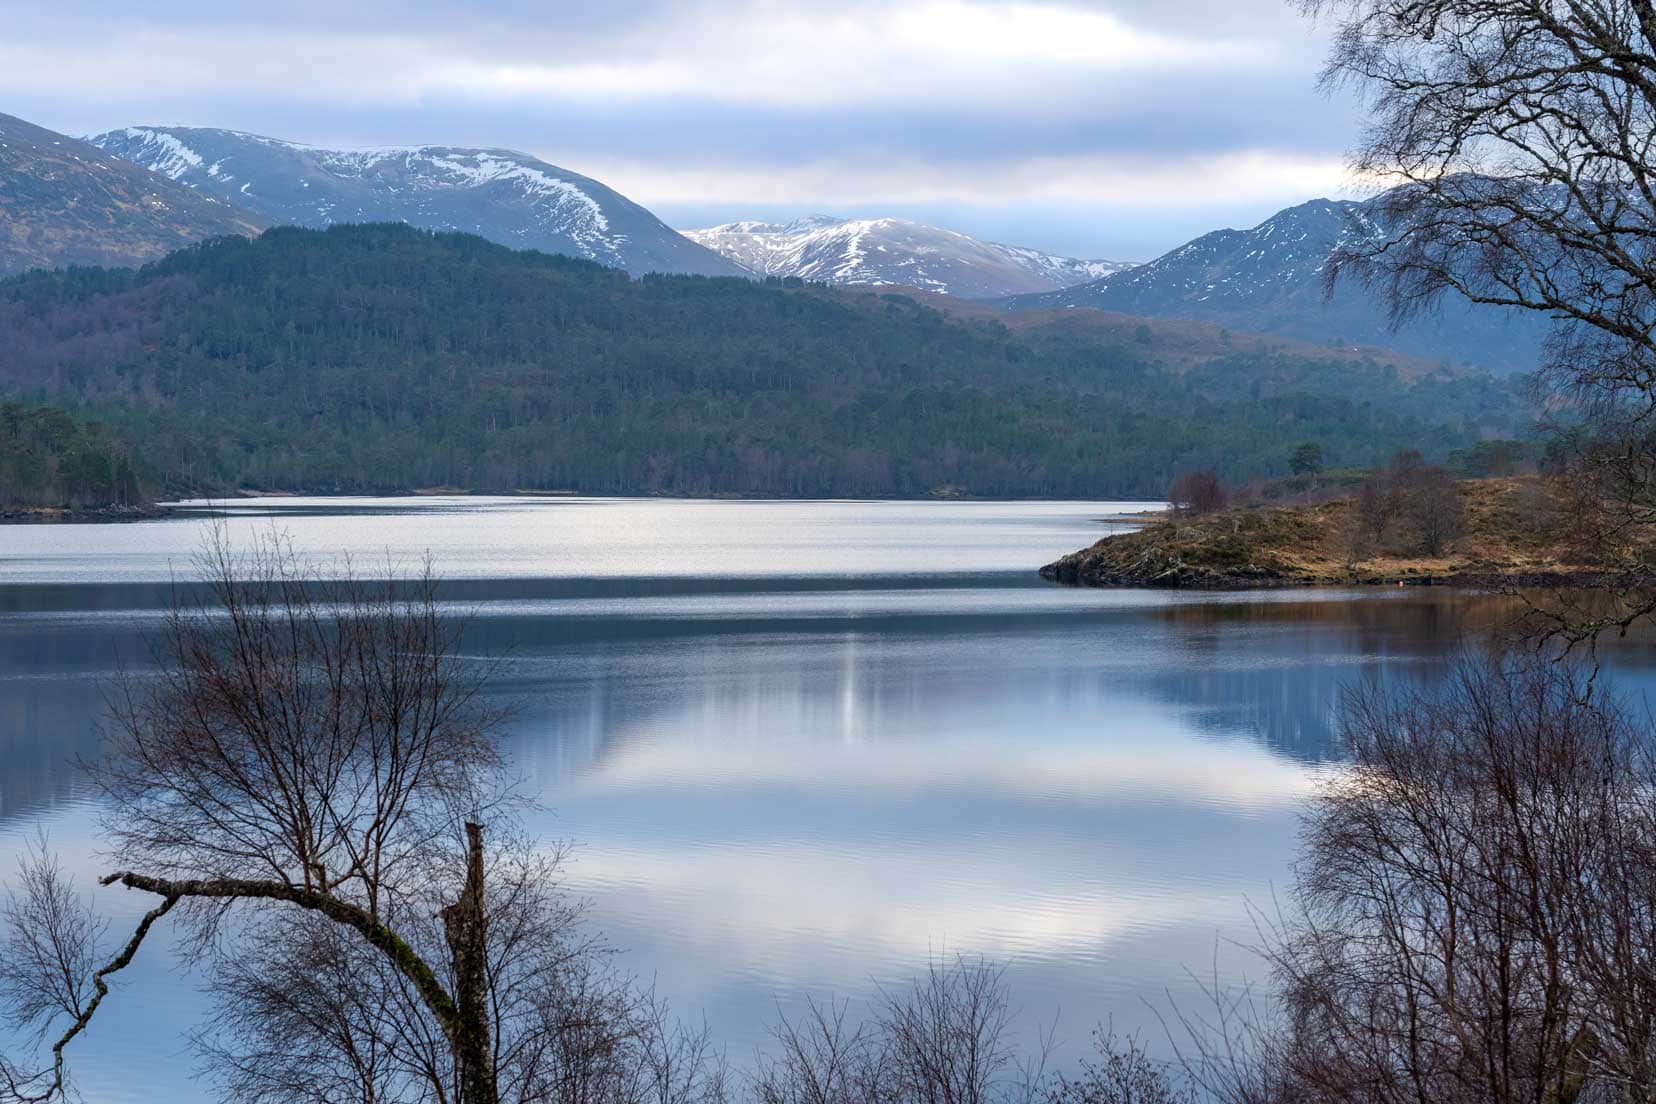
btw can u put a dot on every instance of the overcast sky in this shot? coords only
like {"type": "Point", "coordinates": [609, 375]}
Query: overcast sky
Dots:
{"type": "Point", "coordinates": [1099, 128]}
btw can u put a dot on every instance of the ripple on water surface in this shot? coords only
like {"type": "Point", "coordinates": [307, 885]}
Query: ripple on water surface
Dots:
{"type": "Point", "coordinates": [800, 747]}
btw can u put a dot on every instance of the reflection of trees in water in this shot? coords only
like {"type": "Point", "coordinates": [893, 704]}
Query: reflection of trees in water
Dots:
{"type": "Point", "coordinates": [1243, 677]}
{"type": "Point", "coordinates": [51, 698]}
{"type": "Point", "coordinates": [1269, 670]}
{"type": "Point", "coordinates": [584, 688]}
{"type": "Point", "coordinates": [1273, 670]}
{"type": "Point", "coordinates": [1421, 617]}
{"type": "Point", "coordinates": [45, 730]}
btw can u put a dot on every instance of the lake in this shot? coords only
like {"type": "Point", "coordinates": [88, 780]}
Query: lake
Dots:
{"type": "Point", "coordinates": [799, 747]}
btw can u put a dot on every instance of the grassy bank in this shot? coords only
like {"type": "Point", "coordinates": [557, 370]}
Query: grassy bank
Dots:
{"type": "Point", "coordinates": [1511, 533]}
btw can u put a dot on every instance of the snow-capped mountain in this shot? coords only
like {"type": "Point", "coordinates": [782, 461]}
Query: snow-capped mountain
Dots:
{"type": "Point", "coordinates": [890, 251]}
{"type": "Point", "coordinates": [502, 195]}
{"type": "Point", "coordinates": [63, 202]}
{"type": "Point", "coordinates": [1270, 280]}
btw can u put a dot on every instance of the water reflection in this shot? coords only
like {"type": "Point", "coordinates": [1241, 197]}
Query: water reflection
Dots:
{"type": "Point", "coordinates": [742, 674]}
{"type": "Point", "coordinates": [810, 777]}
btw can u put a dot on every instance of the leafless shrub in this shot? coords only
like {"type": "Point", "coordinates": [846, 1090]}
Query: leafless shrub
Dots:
{"type": "Point", "coordinates": [946, 1035]}
{"type": "Point", "coordinates": [1197, 493]}
{"type": "Point", "coordinates": [823, 1059]}
{"type": "Point", "coordinates": [1476, 908]}
{"type": "Point", "coordinates": [1536, 506]}
{"type": "Point", "coordinates": [942, 1040]}
{"type": "Point", "coordinates": [1124, 1073]}
{"type": "Point", "coordinates": [1373, 512]}
{"type": "Point", "coordinates": [1410, 507]}
{"type": "Point", "coordinates": [1231, 1050]}
{"type": "Point", "coordinates": [1433, 510]}
{"type": "Point", "coordinates": [304, 782]}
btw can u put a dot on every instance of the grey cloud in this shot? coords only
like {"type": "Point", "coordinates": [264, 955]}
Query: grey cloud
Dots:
{"type": "Point", "coordinates": [573, 19]}
{"type": "Point", "coordinates": [1273, 18]}
{"type": "Point", "coordinates": [1164, 115]}
{"type": "Point", "coordinates": [1180, 111]}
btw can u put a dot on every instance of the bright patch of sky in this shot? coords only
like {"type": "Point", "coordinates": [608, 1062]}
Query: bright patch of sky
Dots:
{"type": "Point", "coordinates": [1107, 128]}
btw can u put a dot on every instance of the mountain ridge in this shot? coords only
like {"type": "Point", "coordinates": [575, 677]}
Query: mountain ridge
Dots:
{"type": "Point", "coordinates": [895, 252]}
{"type": "Point", "coordinates": [66, 202]}
{"type": "Point", "coordinates": [1269, 279]}
{"type": "Point", "coordinates": [505, 196]}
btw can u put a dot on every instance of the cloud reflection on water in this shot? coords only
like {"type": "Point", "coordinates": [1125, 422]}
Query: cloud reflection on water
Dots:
{"type": "Point", "coordinates": [808, 781]}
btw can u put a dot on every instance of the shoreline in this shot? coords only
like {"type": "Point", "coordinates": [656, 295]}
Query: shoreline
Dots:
{"type": "Point", "coordinates": [1506, 541]}
{"type": "Point", "coordinates": [186, 507]}
{"type": "Point", "coordinates": [60, 515]}
{"type": "Point", "coordinates": [1058, 572]}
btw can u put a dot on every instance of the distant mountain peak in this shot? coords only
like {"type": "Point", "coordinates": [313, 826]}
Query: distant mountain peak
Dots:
{"type": "Point", "coordinates": [894, 252]}
{"type": "Point", "coordinates": [504, 195]}
{"type": "Point", "coordinates": [1270, 279]}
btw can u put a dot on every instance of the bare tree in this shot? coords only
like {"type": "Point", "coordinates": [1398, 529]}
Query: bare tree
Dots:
{"type": "Point", "coordinates": [1410, 505]}
{"type": "Point", "coordinates": [1519, 135]}
{"type": "Point", "coordinates": [1124, 1073]}
{"type": "Point", "coordinates": [1376, 507]}
{"type": "Point", "coordinates": [1475, 914]}
{"type": "Point", "coordinates": [1197, 493]}
{"type": "Point", "coordinates": [304, 783]}
{"type": "Point", "coordinates": [944, 1039]}
{"type": "Point", "coordinates": [1433, 508]}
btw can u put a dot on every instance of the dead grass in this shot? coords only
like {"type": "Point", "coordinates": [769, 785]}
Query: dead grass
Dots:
{"type": "Point", "coordinates": [1506, 538]}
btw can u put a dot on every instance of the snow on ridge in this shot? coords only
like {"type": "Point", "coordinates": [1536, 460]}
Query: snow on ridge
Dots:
{"type": "Point", "coordinates": [171, 158]}
{"type": "Point", "coordinates": [1281, 253]}
{"type": "Point", "coordinates": [447, 166]}
{"type": "Point", "coordinates": [852, 253]}
{"type": "Point", "coordinates": [486, 168]}
{"type": "Point", "coordinates": [894, 251]}
{"type": "Point", "coordinates": [557, 203]}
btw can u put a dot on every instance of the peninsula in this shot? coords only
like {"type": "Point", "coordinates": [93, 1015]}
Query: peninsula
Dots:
{"type": "Point", "coordinates": [1490, 532]}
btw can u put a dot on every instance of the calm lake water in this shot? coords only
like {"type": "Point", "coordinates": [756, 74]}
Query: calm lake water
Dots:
{"type": "Point", "coordinates": [800, 747]}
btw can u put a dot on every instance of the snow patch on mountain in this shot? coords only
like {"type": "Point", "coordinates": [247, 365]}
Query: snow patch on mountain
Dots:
{"type": "Point", "coordinates": [506, 196]}
{"type": "Point", "coordinates": [1284, 255]}
{"type": "Point", "coordinates": [894, 252]}
{"type": "Point", "coordinates": [169, 157]}
{"type": "Point", "coordinates": [1271, 279]}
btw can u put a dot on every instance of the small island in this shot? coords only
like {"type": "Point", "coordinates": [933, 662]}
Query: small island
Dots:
{"type": "Point", "coordinates": [1409, 525]}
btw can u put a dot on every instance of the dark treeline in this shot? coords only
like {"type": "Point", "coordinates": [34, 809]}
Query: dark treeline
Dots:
{"type": "Point", "coordinates": [50, 459]}
{"type": "Point", "coordinates": [380, 358]}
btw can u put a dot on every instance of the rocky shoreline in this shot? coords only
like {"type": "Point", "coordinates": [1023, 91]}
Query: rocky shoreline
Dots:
{"type": "Point", "coordinates": [56, 515]}
{"type": "Point", "coordinates": [1274, 547]}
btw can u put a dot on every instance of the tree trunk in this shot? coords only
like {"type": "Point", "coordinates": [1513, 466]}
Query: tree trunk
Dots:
{"type": "Point", "coordinates": [465, 929]}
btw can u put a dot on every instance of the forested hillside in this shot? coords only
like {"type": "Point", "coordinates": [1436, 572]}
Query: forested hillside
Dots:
{"type": "Point", "coordinates": [381, 358]}
{"type": "Point", "coordinates": [50, 460]}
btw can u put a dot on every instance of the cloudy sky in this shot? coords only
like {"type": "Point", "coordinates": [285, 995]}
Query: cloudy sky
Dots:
{"type": "Point", "coordinates": [1100, 128]}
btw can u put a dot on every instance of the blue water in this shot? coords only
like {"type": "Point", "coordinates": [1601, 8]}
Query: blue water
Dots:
{"type": "Point", "coordinates": [799, 747]}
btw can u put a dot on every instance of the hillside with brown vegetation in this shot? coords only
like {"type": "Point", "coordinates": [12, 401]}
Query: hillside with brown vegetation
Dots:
{"type": "Point", "coordinates": [1510, 531]}
{"type": "Point", "coordinates": [64, 202]}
